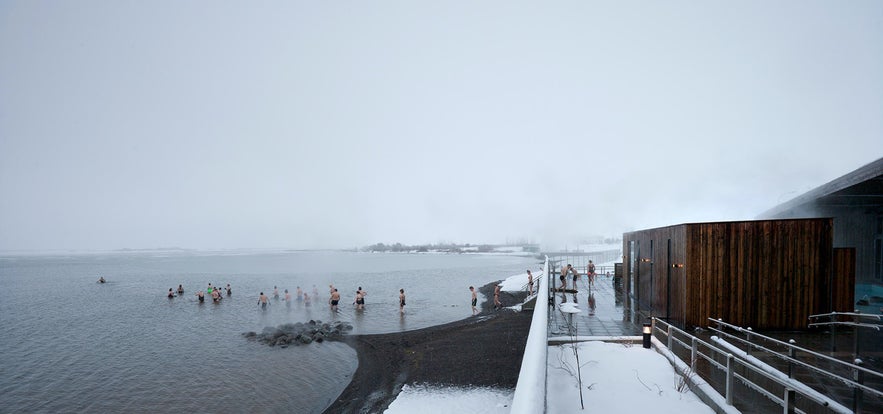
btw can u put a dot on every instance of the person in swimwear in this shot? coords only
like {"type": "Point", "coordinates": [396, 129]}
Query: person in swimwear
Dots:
{"type": "Point", "coordinates": [180, 289]}
{"type": "Point", "coordinates": [563, 277]}
{"type": "Point", "coordinates": [101, 279]}
{"type": "Point", "coordinates": [306, 299]}
{"type": "Point", "coordinates": [474, 300]}
{"type": "Point", "coordinates": [171, 293]}
{"type": "Point", "coordinates": [263, 300]}
{"type": "Point", "coordinates": [229, 290]}
{"type": "Point", "coordinates": [216, 295]}
{"type": "Point", "coordinates": [363, 293]}
{"type": "Point", "coordinates": [300, 294]}
{"type": "Point", "coordinates": [210, 289]}
{"type": "Point", "coordinates": [275, 293]}
{"type": "Point", "coordinates": [529, 283]}
{"type": "Point", "coordinates": [575, 275]}
{"type": "Point", "coordinates": [360, 300]}
{"type": "Point", "coordinates": [402, 301]}
{"type": "Point", "coordinates": [287, 298]}
{"type": "Point", "coordinates": [200, 295]}
{"type": "Point", "coordinates": [497, 303]}
{"type": "Point", "coordinates": [335, 299]}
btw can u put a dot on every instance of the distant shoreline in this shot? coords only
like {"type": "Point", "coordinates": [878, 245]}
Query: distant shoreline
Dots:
{"type": "Point", "coordinates": [482, 350]}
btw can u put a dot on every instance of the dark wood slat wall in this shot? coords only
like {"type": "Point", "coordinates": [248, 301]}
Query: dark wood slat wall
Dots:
{"type": "Point", "coordinates": [843, 286]}
{"type": "Point", "coordinates": [768, 274]}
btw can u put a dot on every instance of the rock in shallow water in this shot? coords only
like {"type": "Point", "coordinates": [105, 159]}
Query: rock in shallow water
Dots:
{"type": "Point", "coordinates": [299, 333]}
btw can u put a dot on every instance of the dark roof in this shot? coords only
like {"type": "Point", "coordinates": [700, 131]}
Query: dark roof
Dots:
{"type": "Point", "coordinates": [860, 188]}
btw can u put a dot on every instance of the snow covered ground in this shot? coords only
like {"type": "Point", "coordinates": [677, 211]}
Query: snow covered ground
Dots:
{"type": "Point", "coordinates": [616, 378]}
{"type": "Point", "coordinates": [430, 400]}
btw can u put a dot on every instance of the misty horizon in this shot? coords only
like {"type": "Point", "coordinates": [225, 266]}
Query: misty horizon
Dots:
{"type": "Point", "coordinates": [331, 126]}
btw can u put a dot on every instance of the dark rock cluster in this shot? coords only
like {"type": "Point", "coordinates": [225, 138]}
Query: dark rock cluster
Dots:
{"type": "Point", "coordinates": [299, 333]}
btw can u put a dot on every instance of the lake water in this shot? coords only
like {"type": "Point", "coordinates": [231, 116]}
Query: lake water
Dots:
{"type": "Point", "coordinates": [71, 344]}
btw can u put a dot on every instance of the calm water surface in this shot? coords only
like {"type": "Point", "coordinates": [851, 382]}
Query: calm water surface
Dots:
{"type": "Point", "coordinates": [71, 344]}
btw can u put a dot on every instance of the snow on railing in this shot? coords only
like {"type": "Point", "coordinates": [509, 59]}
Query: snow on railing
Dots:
{"type": "Point", "coordinates": [530, 391]}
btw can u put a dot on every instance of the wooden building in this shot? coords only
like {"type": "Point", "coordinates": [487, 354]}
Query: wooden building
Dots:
{"type": "Point", "coordinates": [855, 202]}
{"type": "Point", "coordinates": [769, 274]}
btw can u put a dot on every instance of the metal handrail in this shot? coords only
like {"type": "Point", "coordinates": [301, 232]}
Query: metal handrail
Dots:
{"type": "Point", "coordinates": [860, 325]}
{"type": "Point", "coordinates": [843, 364]}
{"type": "Point", "coordinates": [852, 314]}
{"type": "Point", "coordinates": [696, 353]}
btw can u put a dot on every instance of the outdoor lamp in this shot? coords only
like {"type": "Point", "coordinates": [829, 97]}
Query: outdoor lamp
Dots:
{"type": "Point", "coordinates": [648, 330]}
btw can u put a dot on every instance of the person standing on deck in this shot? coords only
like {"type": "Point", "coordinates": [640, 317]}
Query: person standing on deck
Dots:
{"type": "Point", "coordinates": [563, 277]}
{"type": "Point", "coordinates": [575, 275]}
{"type": "Point", "coordinates": [590, 273]}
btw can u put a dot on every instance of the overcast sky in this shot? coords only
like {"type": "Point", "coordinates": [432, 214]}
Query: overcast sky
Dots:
{"type": "Point", "coordinates": [206, 124]}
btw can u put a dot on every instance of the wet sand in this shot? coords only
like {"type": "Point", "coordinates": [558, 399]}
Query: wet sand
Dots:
{"type": "Point", "coordinates": [483, 350]}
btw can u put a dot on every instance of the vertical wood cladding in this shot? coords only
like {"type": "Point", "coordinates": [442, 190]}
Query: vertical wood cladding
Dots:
{"type": "Point", "coordinates": [843, 280]}
{"type": "Point", "coordinates": [769, 274]}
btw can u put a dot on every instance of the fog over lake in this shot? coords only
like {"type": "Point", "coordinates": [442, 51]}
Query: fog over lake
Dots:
{"type": "Point", "coordinates": [333, 125]}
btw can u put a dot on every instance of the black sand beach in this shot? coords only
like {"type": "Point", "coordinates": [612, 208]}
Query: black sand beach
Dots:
{"type": "Point", "coordinates": [483, 350]}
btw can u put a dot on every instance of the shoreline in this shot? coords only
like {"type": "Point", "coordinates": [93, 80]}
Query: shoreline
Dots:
{"type": "Point", "coordinates": [482, 350]}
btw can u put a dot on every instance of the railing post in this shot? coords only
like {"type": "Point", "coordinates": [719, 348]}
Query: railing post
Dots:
{"type": "Point", "coordinates": [833, 333]}
{"type": "Point", "coordinates": [857, 320]}
{"type": "Point", "coordinates": [669, 338]}
{"type": "Point", "coordinates": [791, 355]}
{"type": "Point", "coordinates": [748, 334]}
{"type": "Point", "coordinates": [789, 401]}
{"type": "Point", "coordinates": [729, 389]}
{"type": "Point", "coordinates": [859, 377]}
{"type": "Point", "coordinates": [693, 349]}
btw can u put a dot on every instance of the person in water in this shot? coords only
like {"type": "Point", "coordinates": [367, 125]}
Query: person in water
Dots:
{"type": "Point", "coordinates": [287, 298]}
{"type": "Point", "coordinates": [275, 293]}
{"type": "Point", "coordinates": [229, 291]}
{"type": "Point", "coordinates": [300, 294]}
{"type": "Point", "coordinates": [101, 279]}
{"type": "Point", "coordinates": [474, 300]}
{"type": "Point", "coordinates": [402, 301]}
{"type": "Point", "coordinates": [360, 300]}
{"type": "Point", "coordinates": [200, 295]}
{"type": "Point", "coordinates": [335, 299]}
{"type": "Point", "coordinates": [306, 299]}
{"type": "Point", "coordinates": [216, 295]}
{"type": "Point", "coordinates": [210, 289]}
{"type": "Point", "coordinates": [263, 300]}
{"type": "Point", "coordinates": [180, 289]}
{"type": "Point", "coordinates": [171, 293]}
{"type": "Point", "coordinates": [363, 293]}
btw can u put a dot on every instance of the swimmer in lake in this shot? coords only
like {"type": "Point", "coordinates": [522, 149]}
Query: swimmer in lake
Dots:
{"type": "Point", "coordinates": [360, 300]}
{"type": "Point", "coordinates": [334, 300]}
{"type": "Point", "coordinates": [171, 293]}
{"type": "Point", "coordinates": [200, 295]}
{"type": "Point", "coordinates": [263, 300]}
{"type": "Point", "coordinates": [275, 293]}
{"type": "Point", "coordinates": [180, 290]}
{"type": "Point", "coordinates": [216, 295]}
{"type": "Point", "coordinates": [229, 290]}
{"type": "Point", "coordinates": [306, 299]}
{"type": "Point", "coordinates": [363, 293]}
{"type": "Point", "coordinates": [299, 294]}
{"type": "Point", "coordinates": [402, 301]}
{"type": "Point", "coordinates": [474, 300]}
{"type": "Point", "coordinates": [101, 279]}
{"type": "Point", "coordinates": [287, 298]}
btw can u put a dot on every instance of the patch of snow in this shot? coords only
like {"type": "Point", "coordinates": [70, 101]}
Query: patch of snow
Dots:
{"type": "Point", "coordinates": [444, 400]}
{"type": "Point", "coordinates": [616, 378]}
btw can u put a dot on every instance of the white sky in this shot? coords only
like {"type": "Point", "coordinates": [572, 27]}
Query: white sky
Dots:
{"type": "Point", "coordinates": [208, 124]}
